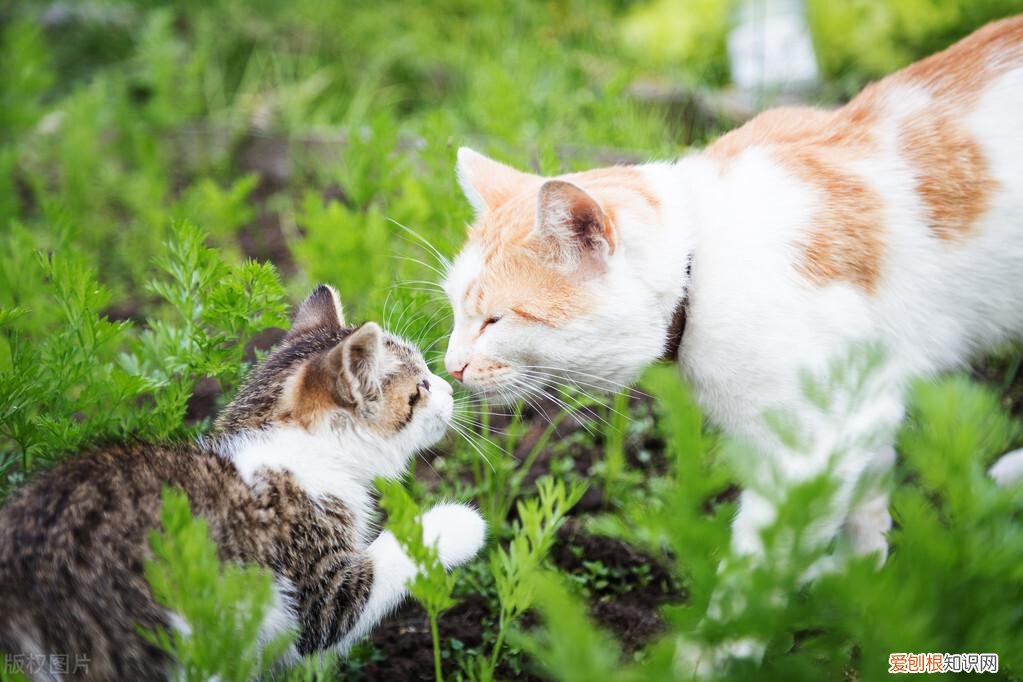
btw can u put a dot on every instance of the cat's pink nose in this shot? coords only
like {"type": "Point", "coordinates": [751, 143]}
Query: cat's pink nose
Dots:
{"type": "Point", "coordinates": [457, 370]}
{"type": "Point", "coordinates": [457, 373]}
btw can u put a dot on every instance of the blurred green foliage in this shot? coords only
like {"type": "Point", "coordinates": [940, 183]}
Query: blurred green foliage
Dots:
{"type": "Point", "coordinates": [861, 40]}
{"type": "Point", "coordinates": [952, 583]}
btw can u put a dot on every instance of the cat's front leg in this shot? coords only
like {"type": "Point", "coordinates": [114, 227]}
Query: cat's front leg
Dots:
{"type": "Point", "coordinates": [459, 533]}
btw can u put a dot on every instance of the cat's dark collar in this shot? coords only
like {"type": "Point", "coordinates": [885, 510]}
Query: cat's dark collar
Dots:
{"type": "Point", "coordinates": [677, 326]}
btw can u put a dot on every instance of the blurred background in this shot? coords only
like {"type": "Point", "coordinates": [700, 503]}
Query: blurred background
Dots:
{"type": "Point", "coordinates": [294, 131]}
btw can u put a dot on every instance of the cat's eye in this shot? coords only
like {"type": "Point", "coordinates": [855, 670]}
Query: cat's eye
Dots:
{"type": "Point", "coordinates": [489, 321]}
{"type": "Point", "coordinates": [414, 398]}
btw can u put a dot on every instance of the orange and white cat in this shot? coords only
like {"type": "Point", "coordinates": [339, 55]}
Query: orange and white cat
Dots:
{"type": "Point", "coordinates": [896, 220]}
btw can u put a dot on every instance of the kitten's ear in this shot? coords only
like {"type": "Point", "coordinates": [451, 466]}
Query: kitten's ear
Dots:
{"type": "Point", "coordinates": [322, 309]}
{"type": "Point", "coordinates": [572, 224]}
{"type": "Point", "coordinates": [487, 183]}
{"type": "Point", "coordinates": [357, 360]}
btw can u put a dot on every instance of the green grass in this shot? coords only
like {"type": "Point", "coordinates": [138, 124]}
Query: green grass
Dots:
{"type": "Point", "coordinates": [153, 156]}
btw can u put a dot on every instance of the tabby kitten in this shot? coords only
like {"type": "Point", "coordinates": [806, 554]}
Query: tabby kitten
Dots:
{"type": "Point", "coordinates": [894, 221]}
{"type": "Point", "coordinates": [284, 482]}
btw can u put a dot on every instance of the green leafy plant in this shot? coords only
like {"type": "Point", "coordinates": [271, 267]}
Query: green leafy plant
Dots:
{"type": "Point", "coordinates": [514, 568]}
{"type": "Point", "coordinates": [221, 606]}
{"type": "Point", "coordinates": [433, 585]}
{"type": "Point", "coordinates": [847, 621]}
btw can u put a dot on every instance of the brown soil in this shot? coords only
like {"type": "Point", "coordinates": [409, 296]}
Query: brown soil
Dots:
{"type": "Point", "coordinates": [405, 641]}
{"type": "Point", "coordinates": [637, 584]}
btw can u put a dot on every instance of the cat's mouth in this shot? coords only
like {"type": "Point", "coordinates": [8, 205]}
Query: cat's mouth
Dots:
{"type": "Point", "coordinates": [497, 383]}
{"type": "Point", "coordinates": [509, 384]}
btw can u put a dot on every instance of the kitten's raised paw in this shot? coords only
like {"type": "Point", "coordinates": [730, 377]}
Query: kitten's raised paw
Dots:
{"type": "Point", "coordinates": [458, 530]}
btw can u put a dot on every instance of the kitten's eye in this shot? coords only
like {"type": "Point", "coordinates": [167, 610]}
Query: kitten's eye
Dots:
{"type": "Point", "coordinates": [414, 398]}
{"type": "Point", "coordinates": [489, 321]}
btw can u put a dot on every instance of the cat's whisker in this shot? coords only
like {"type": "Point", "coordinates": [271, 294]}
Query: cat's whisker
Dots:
{"type": "Point", "coordinates": [606, 384]}
{"type": "Point", "coordinates": [429, 329]}
{"type": "Point", "coordinates": [404, 311]}
{"type": "Point", "coordinates": [387, 311]}
{"type": "Point", "coordinates": [577, 406]}
{"type": "Point", "coordinates": [431, 296]}
{"type": "Point", "coordinates": [574, 386]}
{"type": "Point", "coordinates": [468, 438]}
{"type": "Point", "coordinates": [478, 433]}
{"type": "Point", "coordinates": [443, 260]}
{"type": "Point", "coordinates": [426, 282]}
{"type": "Point", "coordinates": [439, 273]}
{"type": "Point", "coordinates": [570, 409]}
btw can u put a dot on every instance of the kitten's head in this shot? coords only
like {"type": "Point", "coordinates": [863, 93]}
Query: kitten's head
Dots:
{"type": "Point", "coordinates": [370, 390]}
{"type": "Point", "coordinates": [543, 291]}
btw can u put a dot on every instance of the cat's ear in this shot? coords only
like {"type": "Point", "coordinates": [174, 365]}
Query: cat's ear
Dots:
{"type": "Point", "coordinates": [488, 183]}
{"type": "Point", "coordinates": [571, 224]}
{"type": "Point", "coordinates": [321, 310]}
{"type": "Point", "coordinates": [357, 362]}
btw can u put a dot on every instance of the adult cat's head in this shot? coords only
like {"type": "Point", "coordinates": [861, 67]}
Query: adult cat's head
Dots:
{"type": "Point", "coordinates": [359, 388]}
{"type": "Point", "coordinates": [560, 279]}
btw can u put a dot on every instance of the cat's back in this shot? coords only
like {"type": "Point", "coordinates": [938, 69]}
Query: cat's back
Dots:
{"type": "Point", "coordinates": [910, 197]}
{"type": "Point", "coordinates": [73, 545]}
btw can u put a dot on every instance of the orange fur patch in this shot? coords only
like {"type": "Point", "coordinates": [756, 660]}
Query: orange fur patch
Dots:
{"type": "Point", "coordinates": [309, 395]}
{"type": "Point", "coordinates": [952, 175]}
{"type": "Point", "coordinates": [956, 76]}
{"type": "Point", "coordinates": [515, 275]}
{"type": "Point", "coordinates": [846, 240]}
{"type": "Point", "coordinates": [803, 127]}
{"type": "Point", "coordinates": [517, 280]}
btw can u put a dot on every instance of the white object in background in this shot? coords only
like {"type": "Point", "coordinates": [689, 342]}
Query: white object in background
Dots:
{"type": "Point", "coordinates": [770, 47]}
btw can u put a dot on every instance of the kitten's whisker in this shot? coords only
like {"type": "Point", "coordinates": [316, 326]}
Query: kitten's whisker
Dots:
{"type": "Point", "coordinates": [429, 464]}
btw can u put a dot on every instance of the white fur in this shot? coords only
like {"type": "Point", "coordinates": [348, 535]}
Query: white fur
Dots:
{"type": "Point", "coordinates": [280, 618]}
{"type": "Point", "coordinates": [459, 533]}
{"type": "Point", "coordinates": [1008, 470]}
{"type": "Point", "coordinates": [756, 324]}
{"type": "Point", "coordinates": [341, 458]}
